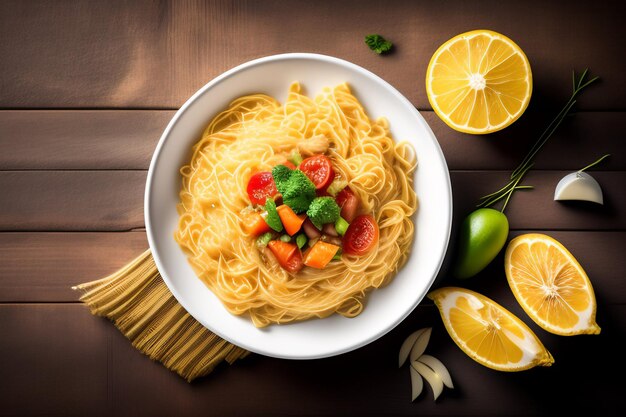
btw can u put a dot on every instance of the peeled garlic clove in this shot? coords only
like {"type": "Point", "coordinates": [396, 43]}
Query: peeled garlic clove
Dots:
{"type": "Point", "coordinates": [430, 376]}
{"type": "Point", "coordinates": [417, 384]}
{"type": "Point", "coordinates": [439, 368]}
{"type": "Point", "coordinates": [420, 344]}
{"type": "Point", "coordinates": [579, 186]}
{"type": "Point", "coordinates": [408, 343]}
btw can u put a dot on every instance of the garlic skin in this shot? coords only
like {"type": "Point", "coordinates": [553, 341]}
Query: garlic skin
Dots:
{"type": "Point", "coordinates": [423, 366]}
{"type": "Point", "coordinates": [579, 186]}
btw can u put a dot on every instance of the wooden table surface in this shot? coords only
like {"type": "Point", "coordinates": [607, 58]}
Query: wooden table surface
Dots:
{"type": "Point", "coordinates": [87, 87]}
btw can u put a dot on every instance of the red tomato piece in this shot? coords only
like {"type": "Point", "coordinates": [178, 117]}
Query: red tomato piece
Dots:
{"type": "Point", "coordinates": [294, 264]}
{"type": "Point", "coordinates": [349, 204]}
{"type": "Point", "coordinates": [260, 187]}
{"type": "Point", "coordinates": [361, 236]}
{"type": "Point", "coordinates": [319, 169]}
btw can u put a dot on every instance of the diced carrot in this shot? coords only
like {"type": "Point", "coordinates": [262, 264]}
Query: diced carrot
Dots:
{"type": "Point", "coordinates": [254, 224]}
{"type": "Point", "coordinates": [320, 254]}
{"type": "Point", "coordinates": [294, 264]}
{"type": "Point", "coordinates": [290, 219]}
{"type": "Point", "coordinates": [283, 251]}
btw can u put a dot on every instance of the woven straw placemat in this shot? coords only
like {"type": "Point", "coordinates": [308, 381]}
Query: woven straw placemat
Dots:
{"type": "Point", "coordinates": [138, 302]}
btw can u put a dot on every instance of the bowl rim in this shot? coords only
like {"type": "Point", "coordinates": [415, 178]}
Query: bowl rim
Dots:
{"type": "Point", "coordinates": [231, 72]}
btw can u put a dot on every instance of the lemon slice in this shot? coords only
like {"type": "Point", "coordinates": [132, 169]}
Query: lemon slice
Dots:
{"type": "Point", "coordinates": [479, 82]}
{"type": "Point", "coordinates": [550, 285]}
{"type": "Point", "coordinates": [487, 332]}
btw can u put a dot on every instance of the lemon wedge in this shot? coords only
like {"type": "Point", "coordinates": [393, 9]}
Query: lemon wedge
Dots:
{"type": "Point", "coordinates": [489, 333]}
{"type": "Point", "coordinates": [479, 82]}
{"type": "Point", "coordinates": [550, 285]}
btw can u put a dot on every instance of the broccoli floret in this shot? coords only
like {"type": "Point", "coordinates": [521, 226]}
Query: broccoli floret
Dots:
{"type": "Point", "coordinates": [272, 219]}
{"type": "Point", "coordinates": [281, 175]}
{"type": "Point", "coordinates": [298, 192]}
{"type": "Point", "coordinates": [323, 210]}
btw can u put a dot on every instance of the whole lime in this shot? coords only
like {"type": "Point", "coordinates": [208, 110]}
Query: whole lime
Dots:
{"type": "Point", "coordinates": [482, 236]}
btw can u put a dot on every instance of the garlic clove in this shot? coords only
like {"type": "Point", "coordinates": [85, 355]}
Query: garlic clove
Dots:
{"type": "Point", "coordinates": [579, 186]}
{"type": "Point", "coordinates": [439, 368]}
{"type": "Point", "coordinates": [417, 384]}
{"type": "Point", "coordinates": [420, 344]}
{"type": "Point", "coordinates": [430, 376]}
{"type": "Point", "coordinates": [407, 345]}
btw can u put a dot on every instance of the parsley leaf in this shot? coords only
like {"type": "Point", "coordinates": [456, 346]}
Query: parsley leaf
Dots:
{"type": "Point", "coordinates": [378, 44]}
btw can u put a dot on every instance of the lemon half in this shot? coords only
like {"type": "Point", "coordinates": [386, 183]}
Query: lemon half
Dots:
{"type": "Point", "coordinates": [479, 82]}
{"type": "Point", "coordinates": [550, 285]}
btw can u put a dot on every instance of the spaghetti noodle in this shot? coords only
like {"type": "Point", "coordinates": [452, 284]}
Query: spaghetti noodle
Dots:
{"type": "Point", "coordinates": [256, 133]}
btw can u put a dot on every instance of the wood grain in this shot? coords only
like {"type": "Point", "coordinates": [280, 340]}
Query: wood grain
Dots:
{"type": "Point", "coordinates": [148, 54]}
{"type": "Point", "coordinates": [48, 139]}
{"type": "Point", "coordinates": [113, 200]}
{"type": "Point", "coordinates": [41, 267]}
{"type": "Point", "coordinates": [123, 139]}
{"type": "Point", "coordinates": [53, 360]}
{"type": "Point", "coordinates": [76, 364]}
{"type": "Point", "coordinates": [72, 200]}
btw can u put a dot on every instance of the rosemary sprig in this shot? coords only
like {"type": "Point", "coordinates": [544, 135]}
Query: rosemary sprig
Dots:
{"type": "Point", "coordinates": [578, 85]}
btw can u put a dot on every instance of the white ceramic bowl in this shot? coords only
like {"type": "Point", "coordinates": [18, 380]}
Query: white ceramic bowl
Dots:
{"type": "Point", "coordinates": [386, 307]}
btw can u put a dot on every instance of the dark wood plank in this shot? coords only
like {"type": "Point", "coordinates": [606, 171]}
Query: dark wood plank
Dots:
{"type": "Point", "coordinates": [579, 141]}
{"type": "Point", "coordinates": [126, 139]}
{"type": "Point", "coordinates": [79, 139]}
{"type": "Point", "coordinates": [536, 209]}
{"type": "Point", "coordinates": [53, 360]}
{"type": "Point", "coordinates": [156, 54]}
{"type": "Point", "coordinates": [41, 267]}
{"type": "Point", "coordinates": [72, 200]}
{"type": "Point", "coordinates": [60, 360]}
{"type": "Point", "coordinates": [38, 267]}
{"type": "Point", "coordinates": [113, 200]}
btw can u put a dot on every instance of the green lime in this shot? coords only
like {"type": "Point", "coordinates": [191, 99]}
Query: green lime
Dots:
{"type": "Point", "coordinates": [482, 236]}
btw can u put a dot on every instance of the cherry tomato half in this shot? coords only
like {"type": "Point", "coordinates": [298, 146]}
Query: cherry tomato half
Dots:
{"type": "Point", "coordinates": [319, 169]}
{"type": "Point", "coordinates": [361, 236]}
{"type": "Point", "coordinates": [261, 186]}
{"type": "Point", "coordinates": [349, 204]}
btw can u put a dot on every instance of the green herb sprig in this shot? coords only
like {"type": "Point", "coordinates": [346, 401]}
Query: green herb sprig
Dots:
{"type": "Point", "coordinates": [378, 44]}
{"type": "Point", "coordinates": [578, 85]}
{"type": "Point", "coordinates": [593, 164]}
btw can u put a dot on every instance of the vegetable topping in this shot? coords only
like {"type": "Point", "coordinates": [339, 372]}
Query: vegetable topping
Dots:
{"type": "Point", "coordinates": [254, 224]}
{"type": "Point", "coordinates": [361, 236]}
{"type": "Point", "coordinates": [272, 218]}
{"type": "Point", "coordinates": [290, 219]}
{"type": "Point", "coordinates": [327, 224]}
{"type": "Point", "coordinates": [319, 170]}
{"type": "Point", "coordinates": [323, 210]}
{"type": "Point", "coordinates": [261, 186]}
{"type": "Point", "coordinates": [349, 204]}
{"type": "Point", "coordinates": [320, 254]}
{"type": "Point", "coordinates": [287, 254]}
